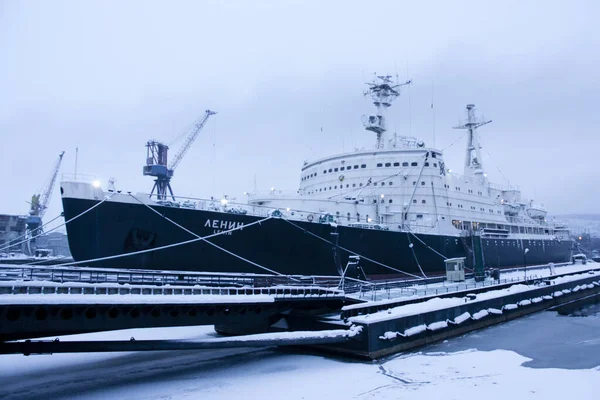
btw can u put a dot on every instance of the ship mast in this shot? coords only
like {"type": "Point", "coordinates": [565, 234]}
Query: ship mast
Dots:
{"type": "Point", "coordinates": [383, 91]}
{"type": "Point", "coordinates": [473, 160]}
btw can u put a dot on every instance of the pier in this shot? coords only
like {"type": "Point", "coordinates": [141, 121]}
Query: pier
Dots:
{"type": "Point", "coordinates": [354, 318]}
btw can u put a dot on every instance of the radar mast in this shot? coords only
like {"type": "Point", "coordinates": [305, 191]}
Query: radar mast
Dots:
{"type": "Point", "coordinates": [473, 160]}
{"type": "Point", "coordinates": [383, 91]}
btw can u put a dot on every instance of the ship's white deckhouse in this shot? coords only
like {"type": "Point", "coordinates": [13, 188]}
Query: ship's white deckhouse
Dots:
{"type": "Point", "coordinates": [403, 185]}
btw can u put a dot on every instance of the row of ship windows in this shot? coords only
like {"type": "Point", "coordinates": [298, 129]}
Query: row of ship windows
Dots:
{"type": "Point", "coordinates": [457, 188]}
{"type": "Point", "coordinates": [468, 225]}
{"type": "Point", "coordinates": [379, 165]}
{"type": "Point", "coordinates": [390, 201]}
{"type": "Point", "coordinates": [404, 164]}
{"type": "Point", "coordinates": [517, 243]}
{"type": "Point", "coordinates": [334, 170]}
{"type": "Point", "coordinates": [367, 219]}
{"type": "Point", "coordinates": [449, 204]}
{"type": "Point", "coordinates": [335, 187]}
{"type": "Point", "coordinates": [390, 183]}
{"type": "Point", "coordinates": [324, 189]}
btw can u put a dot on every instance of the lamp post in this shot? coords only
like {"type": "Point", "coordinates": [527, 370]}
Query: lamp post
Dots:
{"type": "Point", "coordinates": [525, 261]}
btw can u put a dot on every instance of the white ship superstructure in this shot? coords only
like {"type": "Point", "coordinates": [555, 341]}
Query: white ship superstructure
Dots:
{"type": "Point", "coordinates": [403, 185]}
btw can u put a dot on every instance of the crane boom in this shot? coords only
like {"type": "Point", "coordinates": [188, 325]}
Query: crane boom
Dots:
{"type": "Point", "coordinates": [40, 201]}
{"type": "Point", "coordinates": [190, 139]}
{"type": "Point", "coordinates": [47, 194]}
{"type": "Point", "coordinates": [39, 205]}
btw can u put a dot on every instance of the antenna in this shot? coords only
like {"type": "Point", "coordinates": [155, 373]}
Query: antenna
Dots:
{"type": "Point", "coordinates": [409, 103]}
{"type": "Point", "coordinates": [76, 154]}
{"type": "Point", "coordinates": [433, 114]}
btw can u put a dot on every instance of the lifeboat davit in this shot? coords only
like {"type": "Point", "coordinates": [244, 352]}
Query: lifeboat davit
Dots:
{"type": "Point", "coordinates": [511, 208]}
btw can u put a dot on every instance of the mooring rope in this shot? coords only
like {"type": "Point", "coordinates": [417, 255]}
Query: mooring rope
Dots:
{"type": "Point", "coordinates": [352, 252]}
{"type": "Point", "coordinates": [212, 244]}
{"type": "Point", "coordinates": [430, 248]}
{"type": "Point", "coordinates": [61, 225]}
{"type": "Point", "coordinates": [33, 230]}
{"type": "Point", "coordinates": [162, 247]}
{"type": "Point", "coordinates": [411, 245]}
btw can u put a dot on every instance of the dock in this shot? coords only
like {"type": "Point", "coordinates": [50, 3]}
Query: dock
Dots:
{"type": "Point", "coordinates": [358, 319]}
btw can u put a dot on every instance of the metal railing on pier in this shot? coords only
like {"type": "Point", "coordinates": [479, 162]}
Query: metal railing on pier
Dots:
{"type": "Point", "coordinates": [158, 278]}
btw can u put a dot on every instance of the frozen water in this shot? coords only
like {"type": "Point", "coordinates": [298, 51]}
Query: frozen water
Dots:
{"type": "Point", "coordinates": [556, 345]}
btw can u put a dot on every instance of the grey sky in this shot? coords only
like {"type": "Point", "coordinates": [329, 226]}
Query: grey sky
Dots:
{"type": "Point", "coordinates": [108, 75]}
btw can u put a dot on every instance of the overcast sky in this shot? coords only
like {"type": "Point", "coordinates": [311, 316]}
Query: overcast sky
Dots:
{"type": "Point", "coordinates": [287, 78]}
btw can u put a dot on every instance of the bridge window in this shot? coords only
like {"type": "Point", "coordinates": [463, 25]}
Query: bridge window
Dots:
{"type": "Point", "coordinates": [330, 170]}
{"type": "Point", "coordinates": [324, 171]}
{"type": "Point", "coordinates": [375, 184]}
{"type": "Point", "coordinates": [356, 167]}
{"type": "Point", "coordinates": [434, 165]}
{"type": "Point", "coordinates": [396, 164]}
{"type": "Point", "coordinates": [414, 164]}
{"type": "Point", "coordinates": [387, 164]}
{"type": "Point", "coordinates": [390, 183]}
{"type": "Point", "coordinates": [423, 201]}
{"type": "Point", "coordinates": [423, 183]}
{"type": "Point", "coordinates": [414, 201]}
{"type": "Point", "coordinates": [405, 164]}
{"type": "Point", "coordinates": [335, 170]}
{"type": "Point", "coordinates": [427, 164]}
{"type": "Point", "coordinates": [363, 165]}
{"type": "Point", "coordinates": [390, 201]}
{"type": "Point", "coordinates": [354, 185]}
{"type": "Point", "coordinates": [379, 165]}
{"type": "Point", "coordinates": [342, 168]}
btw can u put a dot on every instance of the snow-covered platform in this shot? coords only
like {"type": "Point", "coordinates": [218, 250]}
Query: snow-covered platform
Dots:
{"type": "Point", "coordinates": [368, 320]}
{"type": "Point", "coordinates": [398, 324]}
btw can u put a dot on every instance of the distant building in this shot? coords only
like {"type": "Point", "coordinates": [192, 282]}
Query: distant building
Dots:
{"type": "Point", "coordinates": [12, 231]}
{"type": "Point", "coordinates": [55, 242]}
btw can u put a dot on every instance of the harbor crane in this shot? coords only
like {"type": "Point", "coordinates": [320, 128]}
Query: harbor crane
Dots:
{"type": "Point", "coordinates": [40, 201]}
{"type": "Point", "coordinates": [157, 164]}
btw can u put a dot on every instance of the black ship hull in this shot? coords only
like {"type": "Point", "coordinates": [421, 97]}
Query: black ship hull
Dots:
{"type": "Point", "coordinates": [287, 247]}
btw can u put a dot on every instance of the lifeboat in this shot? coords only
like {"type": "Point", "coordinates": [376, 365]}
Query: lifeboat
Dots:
{"type": "Point", "coordinates": [536, 212]}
